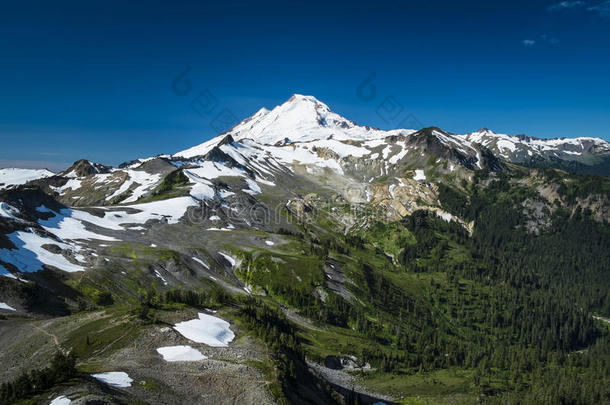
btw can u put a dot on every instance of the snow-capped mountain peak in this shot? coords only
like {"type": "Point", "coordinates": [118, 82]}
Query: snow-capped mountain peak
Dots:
{"type": "Point", "coordinates": [300, 119]}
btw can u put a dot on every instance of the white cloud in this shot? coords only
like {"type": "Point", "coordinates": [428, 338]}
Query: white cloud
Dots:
{"type": "Point", "coordinates": [528, 43]}
{"type": "Point", "coordinates": [603, 8]}
{"type": "Point", "coordinates": [563, 5]}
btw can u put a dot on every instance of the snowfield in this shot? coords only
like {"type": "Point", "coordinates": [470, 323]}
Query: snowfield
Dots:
{"type": "Point", "coordinates": [419, 175]}
{"type": "Point", "coordinates": [207, 329]}
{"type": "Point", "coordinates": [114, 379]}
{"type": "Point", "coordinates": [30, 256]}
{"type": "Point", "coordinates": [11, 177]}
{"type": "Point", "coordinates": [180, 353]}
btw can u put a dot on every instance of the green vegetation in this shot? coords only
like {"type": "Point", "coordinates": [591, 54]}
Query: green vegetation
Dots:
{"type": "Point", "coordinates": [61, 369]}
{"type": "Point", "coordinates": [173, 185]}
{"type": "Point", "coordinates": [441, 315]}
{"type": "Point", "coordinates": [505, 313]}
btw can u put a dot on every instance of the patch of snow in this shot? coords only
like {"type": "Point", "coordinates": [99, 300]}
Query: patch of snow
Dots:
{"type": "Point", "coordinates": [8, 211]}
{"type": "Point", "coordinates": [207, 329]}
{"type": "Point", "coordinates": [269, 242]}
{"type": "Point", "coordinates": [212, 170]}
{"type": "Point", "coordinates": [396, 158]}
{"type": "Point", "coordinates": [6, 306]}
{"type": "Point", "coordinates": [68, 225]}
{"type": "Point", "coordinates": [254, 187]}
{"type": "Point", "coordinates": [419, 175]}
{"type": "Point", "coordinates": [114, 379]}
{"type": "Point", "coordinates": [30, 256]}
{"type": "Point", "coordinates": [201, 188]}
{"type": "Point", "coordinates": [61, 400]}
{"type": "Point", "coordinates": [72, 184]}
{"type": "Point", "coordinates": [299, 153]}
{"type": "Point", "coordinates": [229, 258]}
{"type": "Point", "coordinates": [201, 262]}
{"type": "Point", "coordinates": [171, 209]}
{"type": "Point", "coordinates": [340, 148]}
{"type": "Point", "coordinates": [445, 215]}
{"type": "Point", "coordinates": [506, 144]}
{"type": "Point", "coordinates": [146, 182]}
{"type": "Point", "coordinates": [161, 277]}
{"type": "Point", "coordinates": [386, 151]}
{"type": "Point", "coordinates": [180, 353]}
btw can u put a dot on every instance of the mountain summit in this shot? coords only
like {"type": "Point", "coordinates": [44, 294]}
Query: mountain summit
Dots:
{"type": "Point", "coordinates": [303, 119]}
{"type": "Point", "coordinates": [299, 119]}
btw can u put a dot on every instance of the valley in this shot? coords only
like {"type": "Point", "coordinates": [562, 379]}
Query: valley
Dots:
{"type": "Point", "coordinates": [329, 263]}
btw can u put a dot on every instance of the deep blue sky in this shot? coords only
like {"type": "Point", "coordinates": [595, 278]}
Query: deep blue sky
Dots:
{"type": "Point", "coordinates": [94, 79]}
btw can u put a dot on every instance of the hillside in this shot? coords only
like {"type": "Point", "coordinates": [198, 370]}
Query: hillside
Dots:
{"type": "Point", "coordinates": [302, 258]}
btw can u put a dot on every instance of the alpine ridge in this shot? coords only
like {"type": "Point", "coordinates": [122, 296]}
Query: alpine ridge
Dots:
{"type": "Point", "coordinates": [302, 258]}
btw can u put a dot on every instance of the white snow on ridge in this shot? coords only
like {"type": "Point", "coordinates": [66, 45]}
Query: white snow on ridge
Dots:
{"type": "Point", "coordinates": [508, 143]}
{"type": "Point", "coordinates": [229, 258]}
{"type": "Point", "coordinates": [212, 170]}
{"type": "Point", "coordinates": [201, 262]}
{"type": "Point", "coordinates": [180, 353]}
{"type": "Point", "coordinates": [61, 400]}
{"type": "Point", "coordinates": [69, 227]}
{"type": "Point", "coordinates": [300, 119]}
{"type": "Point", "coordinates": [6, 306]}
{"type": "Point", "coordinates": [172, 210]}
{"type": "Point", "coordinates": [8, 211]}
{"type": "Point", "coordinates": [504, 144]}
{"type": "Point", "coordinates": [12, 176]}
{"type": "Point", "coordinates": [340, 148]}
{"type": "Point", "coordinates": [200, 187]}
{"type": "Point", "coordinates": [299, 153]}
{"type": "Point", "coordinates": [72, 185]}
{"type": "Point", "coordinates": [145, 182]}
{"type": "Point", "coordinates": [207, 329]}
{"type": "Point", "coordinates": [254, 188]}
{"type": "Point", "coordinates": [114, 379]}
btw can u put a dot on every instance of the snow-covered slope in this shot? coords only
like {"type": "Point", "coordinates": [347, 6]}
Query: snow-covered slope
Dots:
{"type": "Point", "coordinates": [295, 132]}
{"type": "Point", "coordinates": [11, 176]}
{"type": "Point", "coordinates": [521, 148]}
{"type": "Point", "coordinates": [300, 119]}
